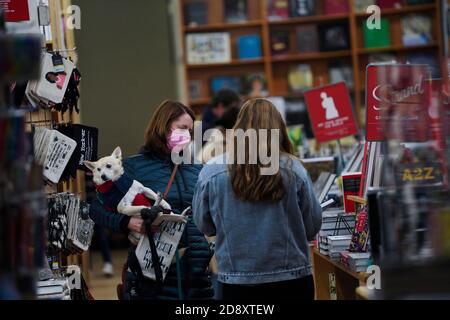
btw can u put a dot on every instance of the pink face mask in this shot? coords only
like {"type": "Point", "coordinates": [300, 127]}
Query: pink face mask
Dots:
{"type": "Point", "coordinates": [178, 139]}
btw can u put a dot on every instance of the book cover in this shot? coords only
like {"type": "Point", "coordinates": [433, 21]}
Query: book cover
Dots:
{"type": "Point", "coordinates": [388, 4]}
{"type": "Point", "coordinates": [302, 8]}
{"type": "Point", "coordinates": [334, 37]}
{"type": "Point", "coordinates": [208, 48]}
{"type": "Point", "coordinates": [236, 11]}
{"type": "Point", "coordinates": [414, 2]}
{"type": "Point", "coordinates": [335, 6]}
{"type": "Point", "coordinates": [341, 73]}
{"type": "Point", "coordinates": [315, 166]}
{"type": "Point", "coordinates": [249, 47]}
{"type": "Point", "coordinates": [279, 43]}
{"type": "Point", "coordinates": [300, 78]}
{"type": "Point", "coordinates": [362, 5]}
{"type": "Point", "coordinates": [360, 237]}
{"type": "Point", "coordinates": [376, 38]}
{"type": "Point", "coordinates": [307, 38]}
{"type": "Point", "coordinates": [226, 82]}
{"type": "Point", "coordinates": [416, 29]}
{"type": "Point", "coordinates": [350, 185]}
{"type": "Point", "coordinates": [195, 14]}
{"type": "Point", "coordinates": [323, 184]}
{"type": "Point", "coordinates": [278, 9]}
{"type": "Point", "coordinates": [255, 85]}
{"type": "Point", "coordinates": [195, 89]}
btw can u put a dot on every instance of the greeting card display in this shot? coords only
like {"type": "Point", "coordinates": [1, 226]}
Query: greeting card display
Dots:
{"type": "Point", "coordinates": [331, 112]}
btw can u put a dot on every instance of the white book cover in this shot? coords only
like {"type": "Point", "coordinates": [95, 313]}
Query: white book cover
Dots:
{"type": "Point", "coordinates": [208, 48]}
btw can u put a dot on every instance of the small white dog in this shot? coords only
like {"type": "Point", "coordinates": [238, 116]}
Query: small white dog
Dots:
{"type": "Point", "coordinates": [117, 191]}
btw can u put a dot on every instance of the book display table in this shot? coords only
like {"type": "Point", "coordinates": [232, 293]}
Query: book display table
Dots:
{"type": "Point", "coordinates": [333, 280]}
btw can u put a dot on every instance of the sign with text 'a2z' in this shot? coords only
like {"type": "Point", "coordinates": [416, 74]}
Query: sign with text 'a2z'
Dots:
{"type": "Point", "coordinates": [330, 111]}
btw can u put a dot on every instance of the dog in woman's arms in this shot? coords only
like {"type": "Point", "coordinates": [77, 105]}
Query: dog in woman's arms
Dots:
{"type": "Point", "coordinates": [116, 191]}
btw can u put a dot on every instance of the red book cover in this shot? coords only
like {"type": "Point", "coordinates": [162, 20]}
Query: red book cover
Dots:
{"type": "Point", "coordinates": [15, 10]}
{"type": "Point", "coordinates": [387, 4]}
{"type": "Point", "coordinates": [279, 9]}
{"type": "Point", "coordinates": [350, 185]}
{"type": "Point", "coordinates": [335, 6]}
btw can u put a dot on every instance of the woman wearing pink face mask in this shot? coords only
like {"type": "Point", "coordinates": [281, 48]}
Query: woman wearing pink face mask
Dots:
{"type": "Point", "coordinates": [169, 131]}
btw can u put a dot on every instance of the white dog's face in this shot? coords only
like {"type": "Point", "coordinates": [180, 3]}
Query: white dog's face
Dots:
{"type": "Point", "coordinates": [107, 168]}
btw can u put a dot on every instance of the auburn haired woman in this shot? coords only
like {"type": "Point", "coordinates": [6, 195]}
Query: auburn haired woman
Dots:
{"type": "Point", "coordinates": [169, 131]}
{"type": "Point", "coordinates": [262, 222]}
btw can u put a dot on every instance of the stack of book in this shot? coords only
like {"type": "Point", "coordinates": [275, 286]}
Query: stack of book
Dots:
{"type": "Point", "coordinates": [357, 261]}
{"type": "Point", "coordinates": [336, 245]}
{"type": "Point", "coordinates": [55, 289]}
{"type": "Point", "coordinates": [334, 223]}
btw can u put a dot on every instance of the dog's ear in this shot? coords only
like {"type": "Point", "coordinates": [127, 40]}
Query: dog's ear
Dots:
{"type": "Point", "coordinates": [90, 165]}
{"type": "Point", "coordinates": [117, 153]}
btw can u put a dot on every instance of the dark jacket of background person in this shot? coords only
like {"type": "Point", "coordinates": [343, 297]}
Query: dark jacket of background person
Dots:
{"type": "Point", "coordinates": [154, 172]}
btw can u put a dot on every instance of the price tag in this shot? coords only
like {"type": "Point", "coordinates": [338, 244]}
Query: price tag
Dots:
{"type": "Point", "coordinates": [58, 63]}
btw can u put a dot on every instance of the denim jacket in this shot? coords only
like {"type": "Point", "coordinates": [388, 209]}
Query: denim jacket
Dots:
{"type": "Point", "coordinates": [258, 242]}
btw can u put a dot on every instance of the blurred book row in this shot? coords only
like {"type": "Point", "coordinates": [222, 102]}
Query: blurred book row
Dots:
{"type": "Point", "coordinates": [235, 11]}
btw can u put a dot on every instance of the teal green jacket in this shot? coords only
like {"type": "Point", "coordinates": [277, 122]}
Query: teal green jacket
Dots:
{"type": "Point", "coordinates": [154, 172]}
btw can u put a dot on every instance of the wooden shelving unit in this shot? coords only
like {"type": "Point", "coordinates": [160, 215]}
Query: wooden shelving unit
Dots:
{"type": "Point", "coordinates": [276, 68]}
{"type": "Point", "coordinates": [347, 281]}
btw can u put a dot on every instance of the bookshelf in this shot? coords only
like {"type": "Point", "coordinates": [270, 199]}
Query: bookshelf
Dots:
{"type": "Point", "coordinates": [276, 68]}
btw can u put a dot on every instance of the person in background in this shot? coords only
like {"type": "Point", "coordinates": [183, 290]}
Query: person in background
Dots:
{"type": "Point", "coordinates": [217, 138]}
{"type": "Point", "coordinates": [222, 101]}
{"type": "Point", "coordinates": [99, 232]}
{"type": "Point", "coordinates": [153, 166]}
{"type": "Point", "coordinates": [263, 223]}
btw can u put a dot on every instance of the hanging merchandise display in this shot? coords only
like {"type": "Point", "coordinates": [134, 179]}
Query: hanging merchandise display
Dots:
{"type": "Point", "coordinates": [70, 227]}
{"type": "Point", "coordinates": [53, 151]}
{"type": "Point", "coordinates": [63, 150]}
{"type": "Point", "coordinates": [57, 87]}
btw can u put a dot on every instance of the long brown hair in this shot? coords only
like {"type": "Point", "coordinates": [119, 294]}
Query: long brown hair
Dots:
{"type": "Point", "coordinates": [247, 182]}
{"type": "Point", "coordinates": [159, 126]}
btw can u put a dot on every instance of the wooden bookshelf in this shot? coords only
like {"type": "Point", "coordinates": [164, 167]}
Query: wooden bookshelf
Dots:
{"type": "Point", "coordinates": [347, 280]}
{"type": "Point", "coordinates": [276, 67]}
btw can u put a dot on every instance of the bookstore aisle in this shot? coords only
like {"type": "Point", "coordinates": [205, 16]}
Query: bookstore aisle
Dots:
{"type": "Point", "coordinates": [363, 86]}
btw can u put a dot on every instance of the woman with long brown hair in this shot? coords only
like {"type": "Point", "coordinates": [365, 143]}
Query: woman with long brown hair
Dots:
{"type": "Point", "coordinates": [168, 131]}
{"type": "Point", "coordinates": [258, 201]}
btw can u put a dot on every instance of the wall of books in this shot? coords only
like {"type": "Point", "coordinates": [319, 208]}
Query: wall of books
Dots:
{"type": "Point", "coordinates": [281, 48]}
